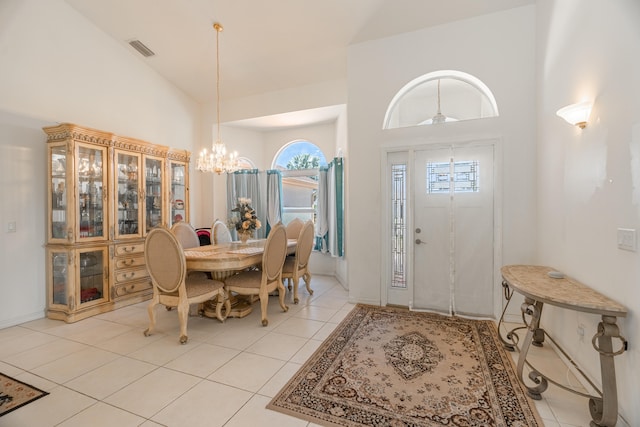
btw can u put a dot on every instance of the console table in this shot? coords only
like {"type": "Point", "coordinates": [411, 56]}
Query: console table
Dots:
{"type": "Point", "coordinates": [539, 288]}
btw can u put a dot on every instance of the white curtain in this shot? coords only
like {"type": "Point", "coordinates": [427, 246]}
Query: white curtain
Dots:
{"type": "Point", "coordinates": [264, 188]}
{"type": "Point", "coordinates": [330, 219]}
{"type": "Point", "coordinates": [274, 198]}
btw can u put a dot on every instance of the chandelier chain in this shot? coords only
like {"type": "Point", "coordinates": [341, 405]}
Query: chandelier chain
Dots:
{"type": "Point", "coordinates": [218, 29]}
{"type": "Point", "coordinates": [217, 161]}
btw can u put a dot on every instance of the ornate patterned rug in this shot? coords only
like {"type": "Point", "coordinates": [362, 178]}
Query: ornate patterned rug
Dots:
{"type": "Point", "coordinates": [391, 367]}
{"type": "Point", "coordinates": [15, 394]}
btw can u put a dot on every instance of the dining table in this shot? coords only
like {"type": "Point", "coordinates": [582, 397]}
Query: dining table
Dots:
{"type": "Point", "coordinates": [226, 259]}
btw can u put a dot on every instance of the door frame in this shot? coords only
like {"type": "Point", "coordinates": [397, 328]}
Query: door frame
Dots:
{"type": "Point", "coordinates": [385, 191]}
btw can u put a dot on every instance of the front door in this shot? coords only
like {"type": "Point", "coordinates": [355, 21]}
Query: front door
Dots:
{"type": "Point", "coordinates": [450, 233]}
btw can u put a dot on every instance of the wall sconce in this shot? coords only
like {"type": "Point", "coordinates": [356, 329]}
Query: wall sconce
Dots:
{"type": "Point", "coordinates": [576, 114]}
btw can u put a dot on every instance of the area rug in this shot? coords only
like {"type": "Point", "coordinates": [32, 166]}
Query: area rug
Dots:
{"type": "Point", "coordinates": [391, 367]}
{"type": "Point", "coordinates": [15, 394]}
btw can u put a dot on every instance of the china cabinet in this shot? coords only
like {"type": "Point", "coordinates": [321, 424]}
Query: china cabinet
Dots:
{"type": "Point", "coordinates": [105, 193]}
{"type": "Point", "coordinates": [178, 187]}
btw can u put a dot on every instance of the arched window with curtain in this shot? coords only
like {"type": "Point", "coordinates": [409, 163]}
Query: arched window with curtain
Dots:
{"type": "Point", "coordinates": [298, 161]}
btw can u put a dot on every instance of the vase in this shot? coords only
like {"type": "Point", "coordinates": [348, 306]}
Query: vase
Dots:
{"type": "Point", "coordinates": [244, 237]}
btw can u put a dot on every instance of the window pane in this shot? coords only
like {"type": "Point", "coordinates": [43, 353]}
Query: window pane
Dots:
{"type": "Point", "coordinates": [299, 155]}
{"type": "Point", "coordinates": [399, 227]}
{"type": "Point", "coordinates": [465, 177]}
{"type": "Point", "coordinates": [440, 96]}
{"type": "Point", "coordinates": [298, 162]}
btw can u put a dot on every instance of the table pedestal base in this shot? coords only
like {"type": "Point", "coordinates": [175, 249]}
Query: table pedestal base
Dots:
{"type": "Point", "coordinates": [239, 308]}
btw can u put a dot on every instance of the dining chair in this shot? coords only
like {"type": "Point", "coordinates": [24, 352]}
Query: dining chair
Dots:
{"type": "Point", "coordinates": [172, 286]}
{"type": "Point", "coordinates": [221, 233]}
{"type": "Point", "coordinates": [297, 266]}
{"type": "Point", "coordinates": [294, 227]}
{"type": "Point", "coordinates": [186, 235]}
{"type": "Point", "coordinates": [268, 278]}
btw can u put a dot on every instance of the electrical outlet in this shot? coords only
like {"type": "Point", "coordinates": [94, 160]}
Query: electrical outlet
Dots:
{"type": "Point", "coordinates": [627, 239]}
{"type": "Point", "coordinates": [11, 227]}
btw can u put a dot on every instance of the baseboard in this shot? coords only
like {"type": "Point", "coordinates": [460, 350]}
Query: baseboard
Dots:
{"type": "Point", "coordinates": [364, 301]}
{"type": "Point", "coordinates": [6, 323]}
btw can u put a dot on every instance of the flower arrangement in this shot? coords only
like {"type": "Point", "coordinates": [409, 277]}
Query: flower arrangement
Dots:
{"type": "Point", "coordinates": [246, 221]}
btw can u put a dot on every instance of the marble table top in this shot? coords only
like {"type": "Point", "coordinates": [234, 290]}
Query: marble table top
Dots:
{"type": "Point", "coordinates": [534, 282]}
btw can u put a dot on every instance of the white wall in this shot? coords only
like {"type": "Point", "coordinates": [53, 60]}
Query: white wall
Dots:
{"type": "Point", "coordinates": [22, 192]}
{"type": "Point", "coordinates": [499, 50]}
{"type": "Point", "coordinates": [58, 67]}
{"type": "Point", "coordinates": [589, 180]}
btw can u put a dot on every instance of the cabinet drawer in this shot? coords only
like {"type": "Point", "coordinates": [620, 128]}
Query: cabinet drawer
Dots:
{"type": "Point", "coordinates": [131, 274]}
{"type": "Point", "coordinates": [132, 288]}
{"type": "Point", "coordinates": [129, 248]}
{"type": "Point", "coordinates": [127, 262]}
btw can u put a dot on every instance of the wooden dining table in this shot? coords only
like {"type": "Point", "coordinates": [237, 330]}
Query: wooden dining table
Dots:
{"type": "Point", "coordinates": [226, 259]}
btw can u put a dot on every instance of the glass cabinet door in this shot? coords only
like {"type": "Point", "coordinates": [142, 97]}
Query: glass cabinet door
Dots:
{"type": "Point", "coordinates": [58, 220]}
{"type": "Point", "coordinates": [154, 168]}
{"type": "Point", "coordinates": [92, 276]}
{"type": "Point", "coordinates": [127, 189]}
{"type": "Point", "coordinates": [77, 278]}
{"type": "Point", "coordinates": [58, 265]}
{"type": "Point", "coordinates": [179, 193]}
{"type": "Point", "coordinates": [91, 195]}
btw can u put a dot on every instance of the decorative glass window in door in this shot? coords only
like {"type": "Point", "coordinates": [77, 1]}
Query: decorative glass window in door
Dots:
{"type": "Point", "coordinates": [399, 225]}
{"type": "Point", "coordinates": [465, 177]}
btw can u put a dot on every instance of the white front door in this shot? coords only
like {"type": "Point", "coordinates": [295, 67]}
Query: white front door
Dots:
{"type": "Point", "coordinates": [448, 230]}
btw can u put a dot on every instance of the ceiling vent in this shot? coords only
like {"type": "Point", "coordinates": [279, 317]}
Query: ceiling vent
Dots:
{"type": "Point", "coordinates": [140, 47]}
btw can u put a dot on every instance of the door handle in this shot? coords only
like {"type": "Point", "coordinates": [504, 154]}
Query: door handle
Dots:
{"type": "Point", "coordinates": [418, 241]}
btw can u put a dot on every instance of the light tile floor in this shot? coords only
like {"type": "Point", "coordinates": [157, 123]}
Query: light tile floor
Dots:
{"type": "Point", "coordinates": [102, 371]}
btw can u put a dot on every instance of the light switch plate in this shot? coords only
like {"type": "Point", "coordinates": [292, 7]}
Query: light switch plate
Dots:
{"type": "Point", "coordinates": [627, 239]}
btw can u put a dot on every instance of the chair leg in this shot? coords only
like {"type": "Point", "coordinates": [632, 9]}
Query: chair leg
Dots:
{"type": "Point", "coordinates": [281, 294]}
{"type": "Point", "coordinates": [264, 302]}
{"type": "Point", "coordinates": [152, 317]}
{"type": "Point", "coordinates": [296, 280]}
{"type": "Point", "coordinates": [307, 281]}
{"type": "Point", "coordinates": [183, 316]}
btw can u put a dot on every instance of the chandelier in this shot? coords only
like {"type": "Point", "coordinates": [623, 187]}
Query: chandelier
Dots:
{"type": "Point", "coordinates": [217, 160]}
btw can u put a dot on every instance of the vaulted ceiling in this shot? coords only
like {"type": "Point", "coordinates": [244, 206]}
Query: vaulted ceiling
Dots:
{"type": "Point", "coordinates": [266, 45]}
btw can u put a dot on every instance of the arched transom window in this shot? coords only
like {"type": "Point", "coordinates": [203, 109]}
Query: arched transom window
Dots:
{"type": "Point", "coordinates": [439, 97]}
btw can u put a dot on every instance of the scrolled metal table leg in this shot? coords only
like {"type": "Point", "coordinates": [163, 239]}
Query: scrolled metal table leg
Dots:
{"type": "Point", "coordinates": [604, 412]}
{"type": "Point", "coordinates": [533, 309]}
{"type": "Point", "coordinates": [509, 345]}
